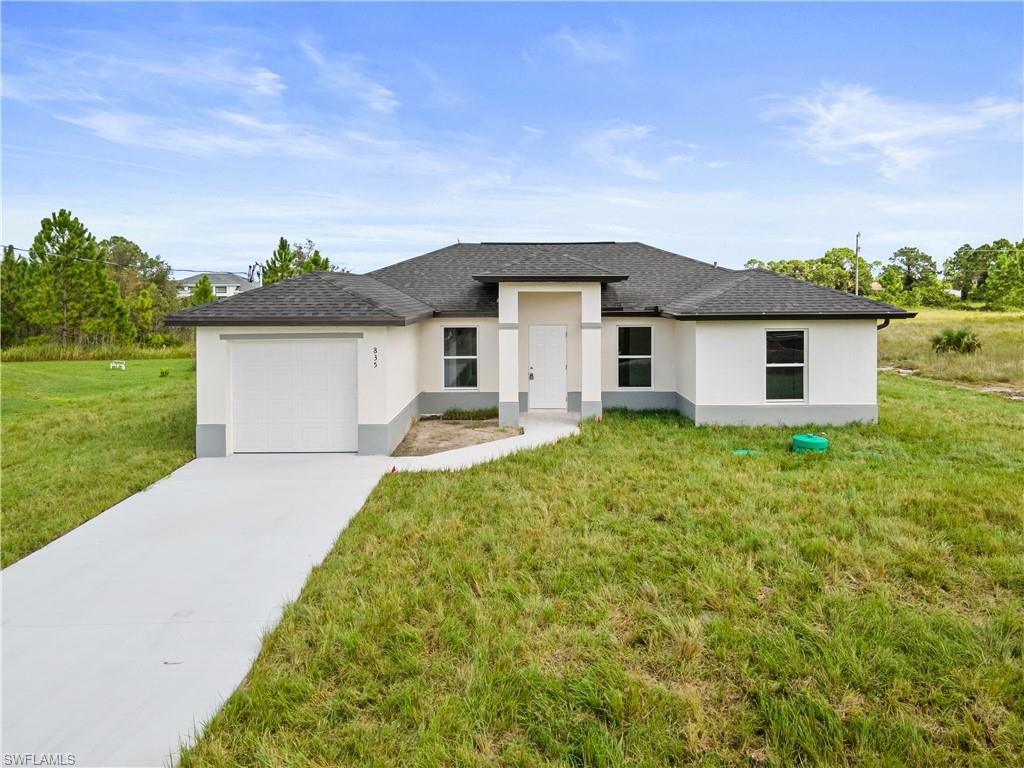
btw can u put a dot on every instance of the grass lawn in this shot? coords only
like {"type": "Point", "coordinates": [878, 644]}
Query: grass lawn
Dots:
{"type": "Point", "coordinates": [639, 595]}
{"type": "Point", "coordinates": [907, 344]}
{"type": "Point", "coordinates": [78, 437]}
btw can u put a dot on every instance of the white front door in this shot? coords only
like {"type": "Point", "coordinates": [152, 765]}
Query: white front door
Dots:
{"type": "Point", "coordinates": [547, 367]}
{"type": "Point", "coordinates": [294, 396]}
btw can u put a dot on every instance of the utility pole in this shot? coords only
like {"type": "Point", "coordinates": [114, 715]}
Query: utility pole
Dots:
{"type": "Point", "coordinates": [856, 268]}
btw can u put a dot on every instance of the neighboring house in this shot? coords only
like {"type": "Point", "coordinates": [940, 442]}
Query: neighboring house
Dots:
{"type": "Point", "coordinates": [224, 284]}
{"type": "Point", "coordinates": [330, 361]}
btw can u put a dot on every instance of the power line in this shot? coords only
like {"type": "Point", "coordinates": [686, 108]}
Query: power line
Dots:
{"type": "Point", "coordinates": [246, 273]}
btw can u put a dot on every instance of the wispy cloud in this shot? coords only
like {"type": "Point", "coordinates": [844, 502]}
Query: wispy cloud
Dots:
{"type": "Point", "coordinates": [630, 149]}
{"type": "Point", "coordinates": [344, 73]}
{"type": "Point", "coordinates": [48, 74]}
{"type": "Point", "coordinates": [594, 45]}
{"type": "Point", "coordinates": [842, 124]}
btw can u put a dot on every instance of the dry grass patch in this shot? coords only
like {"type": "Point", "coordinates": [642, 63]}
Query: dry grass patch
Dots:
{"type": "Point", "coordinates": [907, 344]}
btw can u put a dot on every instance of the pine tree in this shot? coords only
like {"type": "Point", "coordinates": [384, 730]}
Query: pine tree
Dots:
{"type": "Point", "coordinates": [69, 294]}
{"type": "Point", "coordinates": [316, 263]}
{"type": "Point", "coordinates": [281, 264]}
{"type": "Point", "coordinates": [203, 292]}
{"type": "Point", "coordinates": [14, 325]}
{"type": "Point", "coordinates": [142, 312]}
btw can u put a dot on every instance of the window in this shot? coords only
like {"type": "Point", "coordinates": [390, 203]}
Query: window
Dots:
{"type": "Point", "coordinates": [784, 378]}
{"type": "Point", "coordinates": [220, 289]}
{"type": "Point", "coordinates": [635, 356]}
{"type": "Point", "coordinates": [460, 358]}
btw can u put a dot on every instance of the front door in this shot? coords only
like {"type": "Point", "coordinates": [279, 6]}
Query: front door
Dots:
{"type": "Point", "coordinates": [547, 367]}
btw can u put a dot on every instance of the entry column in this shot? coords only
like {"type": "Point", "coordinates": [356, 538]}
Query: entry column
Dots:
{"type": "Point", "coordinates": [590, 351]}
{"type": "Point", "coordinates": [508, 355]}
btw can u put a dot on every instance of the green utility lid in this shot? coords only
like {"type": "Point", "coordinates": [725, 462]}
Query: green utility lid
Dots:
{"type": "Point", "coordinates": [809, 444]}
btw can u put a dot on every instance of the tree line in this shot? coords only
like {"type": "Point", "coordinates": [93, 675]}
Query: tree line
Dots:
{"type": "Point", "coordinates": [991, 275]}
{"type": "Point", "coordinates": [70, 289]}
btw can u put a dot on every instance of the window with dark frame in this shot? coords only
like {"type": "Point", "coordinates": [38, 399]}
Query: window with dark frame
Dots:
{"type": "Point", "coordinates": [785, 364]}
{"type": "Point", "coordinates": [634, 356]}
{"type": "Point", "coordinates": [460, 359]}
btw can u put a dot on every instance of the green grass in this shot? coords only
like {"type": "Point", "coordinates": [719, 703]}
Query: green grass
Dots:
{"type": "Point", "coordinates": [640, 596]}
{"type": "Point", "coordinates": [79, 437]}
{"type": "Point", "coordinates": [907, 344]}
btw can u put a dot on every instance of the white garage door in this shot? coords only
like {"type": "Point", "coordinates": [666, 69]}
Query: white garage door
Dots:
{"type": "Point", "coordinates": [294, 396]}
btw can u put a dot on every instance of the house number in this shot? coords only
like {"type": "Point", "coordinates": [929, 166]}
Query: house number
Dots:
{"type": "Point", "coordinates": [374, 357]}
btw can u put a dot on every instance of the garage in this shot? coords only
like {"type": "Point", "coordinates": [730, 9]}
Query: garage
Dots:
{"type": "Point", "coordinates": [294, 396]}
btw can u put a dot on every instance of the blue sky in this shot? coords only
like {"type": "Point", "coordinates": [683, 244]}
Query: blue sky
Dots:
{"type": "Point", "coordinates": [725, 131]}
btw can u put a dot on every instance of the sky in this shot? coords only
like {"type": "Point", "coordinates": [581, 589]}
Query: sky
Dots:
{"type": "Point", "coordinates": [726, 132]}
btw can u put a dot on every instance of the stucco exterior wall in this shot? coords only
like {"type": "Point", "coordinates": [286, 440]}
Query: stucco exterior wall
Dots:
{"type": "Point", "coordinates": [431, 350]}
{"type": "Point", "coordinates": [213, 378]}
{"type": "Point", "coordinates": [550, 309]}
{"type": "Point", "coordinates": [664, 353]}
{"type": "Point", "coordinates": [841, 382]}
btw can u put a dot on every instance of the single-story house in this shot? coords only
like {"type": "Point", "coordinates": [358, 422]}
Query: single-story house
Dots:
{"type": "Point", "coordinates": [224, 284]}
{"type": "Point", "coordinates": [331, 361]}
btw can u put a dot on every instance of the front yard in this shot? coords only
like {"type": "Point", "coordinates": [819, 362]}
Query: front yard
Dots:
{"type": "Point", "coordinates": [79, 437]}
{"type": "Point", "coordinates": [641, 596]}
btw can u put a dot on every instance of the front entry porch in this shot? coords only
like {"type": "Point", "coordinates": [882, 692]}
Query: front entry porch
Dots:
{"type": "Point", "coordinates": [549, 349]}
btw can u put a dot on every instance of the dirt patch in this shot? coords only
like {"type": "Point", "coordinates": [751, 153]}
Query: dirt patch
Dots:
{"type": "Point", "coordinates": [436, 435]}
{"type": "Point", "coordinates": [1004, 390]}
{"type": "Point", "coordinates": [1009, 391]}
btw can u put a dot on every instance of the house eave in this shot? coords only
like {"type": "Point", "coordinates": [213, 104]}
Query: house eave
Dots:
{"type": "Point", "coordinates": [296, 321]}
{"type": "Point", "coordinates": [791, 315]}
{"type": "Point", "coordinates": [550, 278]}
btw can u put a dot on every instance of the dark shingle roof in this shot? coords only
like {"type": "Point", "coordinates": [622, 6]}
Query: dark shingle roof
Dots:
{"type": "Point", "coordinates": [458, 280]}
{"type": "Point", "coordinates": [547, 267]}
{"type": "Point", "coordinates": [761, 293]}
{"type": "Point", "coordinates": [310, 299]}
{"type": "Point", "coordinates": [444, 278]}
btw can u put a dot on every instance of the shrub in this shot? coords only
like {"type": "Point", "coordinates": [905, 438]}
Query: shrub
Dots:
{"type": "Point", "coordinates": [160, 341]}
{"type": "Point", "coordinates": [962, 340]}
{"type": "Point", "coordinates": [165, 372]}
{"type": "Point", "coordinates": [462, 414]}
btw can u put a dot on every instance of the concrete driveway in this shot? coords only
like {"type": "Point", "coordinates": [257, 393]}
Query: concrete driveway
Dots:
{"type": "Point", "coordinates": [124, 636]}
{"type": "Point", "coordinates": [132, 629]}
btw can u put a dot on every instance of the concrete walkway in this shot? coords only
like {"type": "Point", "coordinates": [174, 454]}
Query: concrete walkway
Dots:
{"type": "Point", "coordinates": [124, 636]}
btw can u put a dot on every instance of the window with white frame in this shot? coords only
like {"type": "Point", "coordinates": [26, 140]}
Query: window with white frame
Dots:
{"type": "Point", "coordinates": [460, 361]}
{"type": "Point", "coordinates": [635, 356]}
{"type": "Point", "coordinates": [784, 365]}
{"type": "Point", "coordinates": [220, 289]}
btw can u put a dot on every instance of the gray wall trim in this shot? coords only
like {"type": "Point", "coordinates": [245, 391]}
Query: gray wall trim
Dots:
{"type": "Point", "coordinates": [685, 407]}
{"type": "Point", "coordinates": [211, 440]}
{"type": "Point", "coordinates": [641, 400]}
{"type": "Point", "coordinates": [439, 402]}
{"type": "Point", "coordinates": [384, 438]}
{"type": "Point", "coordinates": [591, 326]}
{"type": "Point", "coordinates": [785, 415]}
{"type": "Point", "coordinates": [274, 336]}
{"type": "Point", "coordinates": [373, 439]}
{"type": "Point", "coordinates": [508, 414]}
{"type": "Point", "coordinates": [590, 409]}
{"type": "Point", "coordinates": [574, 401]}
{"type": "Point", "coordinates": [508, 326]}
